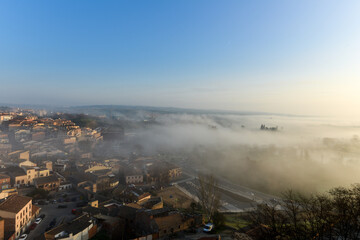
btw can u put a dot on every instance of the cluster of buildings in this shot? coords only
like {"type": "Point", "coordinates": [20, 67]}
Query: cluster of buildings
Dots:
{"type": "Point", "coordinates": [118, 220]}
{"type": "Point", "coordinates": [45, 137]}
{"type": "Point", "coordinates": [45, 154]}
{"type": "Point", "coordinates": [34, 154]}
{"type": "Point", "coordinates": [149, 170]}
{"type": "Point", "coordinates": [92, 177]}
{"type": "Point", "coordinates": [34, 150]}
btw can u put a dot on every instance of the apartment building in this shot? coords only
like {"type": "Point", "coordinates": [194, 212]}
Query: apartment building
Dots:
{"type": "Point", "coordinates": [17, 209]}
{"type": "Point", "coordinates": [49, 183]}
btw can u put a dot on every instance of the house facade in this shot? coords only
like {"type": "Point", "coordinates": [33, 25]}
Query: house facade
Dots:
{"type": "Point", "coordinates": [49, 183]}
{"type": "Point", "coordinates": [17, 209]}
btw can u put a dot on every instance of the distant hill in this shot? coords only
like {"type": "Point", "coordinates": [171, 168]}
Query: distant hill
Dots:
{"type": "Point", "coordinates": [127, 109]}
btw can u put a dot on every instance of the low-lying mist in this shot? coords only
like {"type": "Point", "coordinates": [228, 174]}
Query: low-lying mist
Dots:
{"type": "Point", "coordinates": [305, 154]}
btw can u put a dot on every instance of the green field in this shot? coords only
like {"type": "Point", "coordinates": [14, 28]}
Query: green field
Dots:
{"type": "Point", "coordinates": [235, 220]}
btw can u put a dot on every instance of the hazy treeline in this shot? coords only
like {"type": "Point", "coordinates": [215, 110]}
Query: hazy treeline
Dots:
{"type": "Point", "coordinates": [334, 215]}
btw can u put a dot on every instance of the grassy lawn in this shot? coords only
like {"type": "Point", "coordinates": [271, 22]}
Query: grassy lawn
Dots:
{"type": "Point", "coordinates": [235, 220]}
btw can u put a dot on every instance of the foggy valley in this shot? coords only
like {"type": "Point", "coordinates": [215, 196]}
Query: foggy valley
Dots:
{"type": "Point", "coordinates": [309, 154]}
{"type": "Point", "coordinates": [181, 119]}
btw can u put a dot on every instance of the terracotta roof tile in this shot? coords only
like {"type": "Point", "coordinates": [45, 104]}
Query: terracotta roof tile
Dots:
{"type": "Point", "coordinates": [47, 179]}
{"type": "Point", "coordinates": [15, 203]}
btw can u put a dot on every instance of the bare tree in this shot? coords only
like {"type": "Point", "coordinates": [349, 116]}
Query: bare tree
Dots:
{"type": "Point", "coordinates": [318, 216]}
{"type": "Point", "coordinates": [208, 195]}
{"type": "Point", "coordinates": [271, 223]}
{"type": "Point", "coordinates": [335, 215]}
{"type": "Point", "coordinates": [293, 212]}
{"type": "Point", "coordinates": [346, 206]}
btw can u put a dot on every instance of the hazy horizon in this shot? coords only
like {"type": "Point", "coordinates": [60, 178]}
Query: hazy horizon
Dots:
{"type": "Point", "coordinates": [281, 57]}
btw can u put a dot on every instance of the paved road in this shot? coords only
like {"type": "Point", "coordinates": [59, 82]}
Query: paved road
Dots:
{"type": "Point", "coordinates": [52, 211]}
{"type": "Point", "coordinates": [246, 192]}
{"type": "Point", "coordinates": [229, 201]}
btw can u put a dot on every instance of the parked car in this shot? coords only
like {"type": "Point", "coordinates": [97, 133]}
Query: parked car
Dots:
{"type": "Point", "coordinates": [23, 237]}
{"type": "Point", "coordinates": [38, 220]}
{"type": "Point", "coordinates": [52, 223]}
{"type": "Point", "coordinates": [42, 216]}
{"type": "Point", "coordinates": [42, 202]}
{"type": "Point", "coordinates": [62, 206]}
{"type": "Point", "coordinates": [208, 228]}
{"type": "Point", "coordinates": [81, 204]}
{"type": "Point", "coordinates": [53, 201]}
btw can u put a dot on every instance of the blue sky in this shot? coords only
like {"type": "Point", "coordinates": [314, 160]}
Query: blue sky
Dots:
{"type": "Point", "coordinates": [298, 57]}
